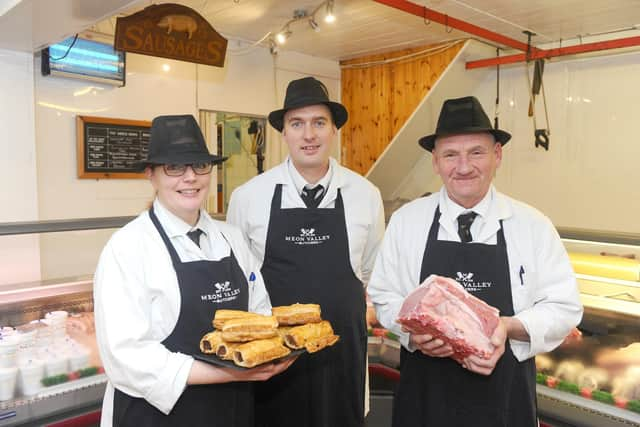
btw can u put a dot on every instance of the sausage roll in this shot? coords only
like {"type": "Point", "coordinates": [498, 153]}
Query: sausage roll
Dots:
{"type": "Point", "coordinates": [297, 314]}
{"type": "Point", "coordinates": [299, 335]}
{"type": "Point", "coordinates": [318, 344]}
{"type": "Point", "coordinates": [226, 349]}
{"type": "Point", "coordinates": [256, 352]}
{"type": "Point", "coordinates": [222, 316]}
{"type": "Point", "coordinates": [250, 328]}
{"type": "Point", "coordinates": [210, 342]}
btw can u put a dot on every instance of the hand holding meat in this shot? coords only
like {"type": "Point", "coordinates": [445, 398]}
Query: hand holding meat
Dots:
{"type": "Point", "coordinates": [430, 345]}
{"type": "Point", "coordinates": [482, 365]}
{"type": "Point", "coordinates": [441, 309]}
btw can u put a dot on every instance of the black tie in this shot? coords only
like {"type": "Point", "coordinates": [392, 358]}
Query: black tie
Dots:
{"type": "Point", "coordinates": [312, 196]}
{"type": "Point", "coordinates": [194, 235]}
{"type": "Point", "coordinates": [464, 226]}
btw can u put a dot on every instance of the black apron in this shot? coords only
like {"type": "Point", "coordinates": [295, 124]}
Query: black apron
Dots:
{"type": "Point", "coordinates": [307, 261]}
{"type": "Point", "coordinates": [438, 392]}
{"type": "Point", "coordinates": [205, 286]}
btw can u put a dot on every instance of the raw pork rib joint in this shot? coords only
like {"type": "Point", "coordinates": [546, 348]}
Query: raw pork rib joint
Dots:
{"type": "Point", "coordinates": [441, 307]}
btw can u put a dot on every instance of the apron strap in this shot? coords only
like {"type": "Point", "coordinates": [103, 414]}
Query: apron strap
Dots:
{"type": "Point", "coordinates": [276, 200]}
{"type": "Point", "coordinates": [175, 259]}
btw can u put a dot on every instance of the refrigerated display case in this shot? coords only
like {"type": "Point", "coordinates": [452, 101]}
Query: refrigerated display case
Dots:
{"type": "Point", "coordinates": [593, 378]}
{"type": "Point", "coordinates": [50, 369]}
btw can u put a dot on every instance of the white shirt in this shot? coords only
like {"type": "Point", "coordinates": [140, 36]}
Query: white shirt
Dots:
{"type": "Point", "coordinates": [137, 303]}
{"type": "Point", "coordinates": [250, 208]}
{"type": "Point", "coordinates": [299, 182]}
{"type": "Point", "coordinates": [546, 301]}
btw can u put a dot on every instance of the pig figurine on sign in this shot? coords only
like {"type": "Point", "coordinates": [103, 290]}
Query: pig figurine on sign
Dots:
{"type": "Point", "coordinates": [183, 23]}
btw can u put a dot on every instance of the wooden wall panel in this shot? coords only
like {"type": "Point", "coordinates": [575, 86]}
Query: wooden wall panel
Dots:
{"type": "Point", "coordinates": [380, 97]}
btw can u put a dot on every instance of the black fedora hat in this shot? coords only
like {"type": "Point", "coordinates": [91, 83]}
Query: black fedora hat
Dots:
{"type": "Point", "coordinates": [462, 115]}
{"type": "Point", "coordinates": [304, 92]}
{"type": "Point", "coordinates": [179, 140]}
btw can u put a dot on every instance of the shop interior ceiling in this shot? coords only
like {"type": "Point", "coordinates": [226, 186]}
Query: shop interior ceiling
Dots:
{"type": "Point", "coordinates": [362, 27]}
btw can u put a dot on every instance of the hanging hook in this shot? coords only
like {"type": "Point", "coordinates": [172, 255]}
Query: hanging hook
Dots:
{"type": "Point", "coordinates": [424, 16]}
{"type": "Point", "coordinates": [447, 28]}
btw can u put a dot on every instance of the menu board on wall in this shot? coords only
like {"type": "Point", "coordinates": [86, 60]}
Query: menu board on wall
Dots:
{"type": "Point", "coordinates": [111, 148]}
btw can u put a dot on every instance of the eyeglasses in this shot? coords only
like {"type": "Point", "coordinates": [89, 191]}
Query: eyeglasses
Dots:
{"type": "Point", "coordinates": [200, 168]}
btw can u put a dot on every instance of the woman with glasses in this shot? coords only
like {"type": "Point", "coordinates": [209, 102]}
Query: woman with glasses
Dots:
{"type": "Point", "coordinates": [157, 286]}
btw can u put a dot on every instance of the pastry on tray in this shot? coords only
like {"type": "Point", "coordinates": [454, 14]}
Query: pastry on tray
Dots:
{"type": "Point", "coordinates": [257, 352]}
{"type": "Point", "coordinates": [210, 342]}
{"type": "Point", "coordinates": [249, 328]}
{"type": "Point", "coordinates": [297, 314]}
{"type": "Point", "coordinates": [298, 336]}
{"type": "Point", "coordinates": [223, 315]}
{"type": "Point", "coordinates": [226, 349]}
{"type": "Point", "coordinates": [319, 343]}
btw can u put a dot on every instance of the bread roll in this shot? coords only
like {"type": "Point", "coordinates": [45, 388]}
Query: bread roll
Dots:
{"type": "Point", "coordinates": [222, 316]}
{"type": "Point", "coordinates": [298, 336]}
{"type": "Point", "coordinates": [297, 314]}
{"type": "Point", "coordinates": [627, 386]}
{"type": "Point", "coordinates": [569, 370]}
{"type": "Point", "coordinates": [544, 363]}
{"type": "Point", "coordinates": [593, 378]}
{"type": "Point", "coordinates": [616, 360]}
{"type": "Point", "coordinates": [256, 352]}
{"type": "Point", "coordinates": [249, 328]}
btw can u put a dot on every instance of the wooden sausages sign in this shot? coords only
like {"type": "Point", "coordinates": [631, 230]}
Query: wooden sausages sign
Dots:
{"type": "Point", "coordinates": [171, 31]}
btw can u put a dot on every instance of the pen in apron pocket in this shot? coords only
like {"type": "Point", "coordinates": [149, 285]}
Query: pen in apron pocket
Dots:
{"type": "Point", "coordinates": [521, 275]}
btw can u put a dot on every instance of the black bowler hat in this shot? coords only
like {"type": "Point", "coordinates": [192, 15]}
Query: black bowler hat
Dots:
{"type": "Point", "coordinates": [178, 140]}
{"type": "Point", "coordinates": [462, 115]}
{"type": "Point", "coordinates": [304, 92]}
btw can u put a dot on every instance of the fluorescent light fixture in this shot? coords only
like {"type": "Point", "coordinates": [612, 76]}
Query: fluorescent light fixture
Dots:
{"type": "Point", "coordinates": [85, 59]}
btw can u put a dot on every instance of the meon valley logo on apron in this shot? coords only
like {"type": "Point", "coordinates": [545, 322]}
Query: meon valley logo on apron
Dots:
{"type": "Point", "coordinates": [222, 292]}
{"type": "Point", "coordinates": [307, 236]}
{"type": "Point", "coordinates": [469, 283]}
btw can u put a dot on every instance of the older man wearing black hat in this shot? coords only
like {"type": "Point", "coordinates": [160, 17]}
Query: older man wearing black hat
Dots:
{"type": "Point", "coordinates": [316, 226]}
{"type": "Point", "coordinates": [503, 252]}
{"type": "Point", "coordinates": [159, 281]}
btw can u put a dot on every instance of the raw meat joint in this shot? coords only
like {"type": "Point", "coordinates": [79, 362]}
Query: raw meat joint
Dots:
{"type": "Point", "coordinates": [441, 307]}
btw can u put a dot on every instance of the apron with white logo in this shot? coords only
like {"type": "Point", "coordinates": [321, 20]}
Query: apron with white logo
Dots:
{"type": "Point", "coordinates": [438, 392]}
{"type": "Point", "coordinates": [205, 286]}
{"type": "Point", "coordinates": [307, 261]}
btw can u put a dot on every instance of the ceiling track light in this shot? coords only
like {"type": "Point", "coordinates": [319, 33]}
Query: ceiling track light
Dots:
{"type": "Point", "coordinates": [283, 35]}
{"type": "Point", "coordinates": [329, 17]}
{"type": "Point", "coordinates": [302, 15]}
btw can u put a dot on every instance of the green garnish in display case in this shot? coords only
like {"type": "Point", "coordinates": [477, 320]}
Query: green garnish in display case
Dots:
{"type": "Point", "coordinates": [541, 378]}
{"type": "Point", "coordinates": [63, 378]}
{"type": "Point", "coordinates": [602, 396]}
{"type": "Point", "coordinates": [568, 387]}
{"type": "Point", "coordinates": [634, 405]}
{"type": "Point", "coordinates": [392, 336]}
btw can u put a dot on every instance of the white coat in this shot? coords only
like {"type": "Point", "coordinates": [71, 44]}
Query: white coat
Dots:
{"type": "Point", "coordinates": [545, 296]}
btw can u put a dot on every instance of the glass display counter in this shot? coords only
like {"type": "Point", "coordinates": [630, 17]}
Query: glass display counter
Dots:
{"type": "Point", "coordinates": [593, 378]}
{"type": "Point", "coordinates": [50, 369]}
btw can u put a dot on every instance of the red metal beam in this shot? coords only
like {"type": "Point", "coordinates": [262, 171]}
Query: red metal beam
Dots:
{"type": "Point", "coordinates": [448, 21]}
{"type": "Point", "coordinates": [550, 53]}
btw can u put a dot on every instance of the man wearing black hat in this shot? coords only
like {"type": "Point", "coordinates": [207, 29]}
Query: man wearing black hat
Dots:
{"type": "Point", "coordinates": [316, 226]}
{"type": "Point", "coordinates": [158, 284]}
{"type": "Point", "coordinates": [503, 252]}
